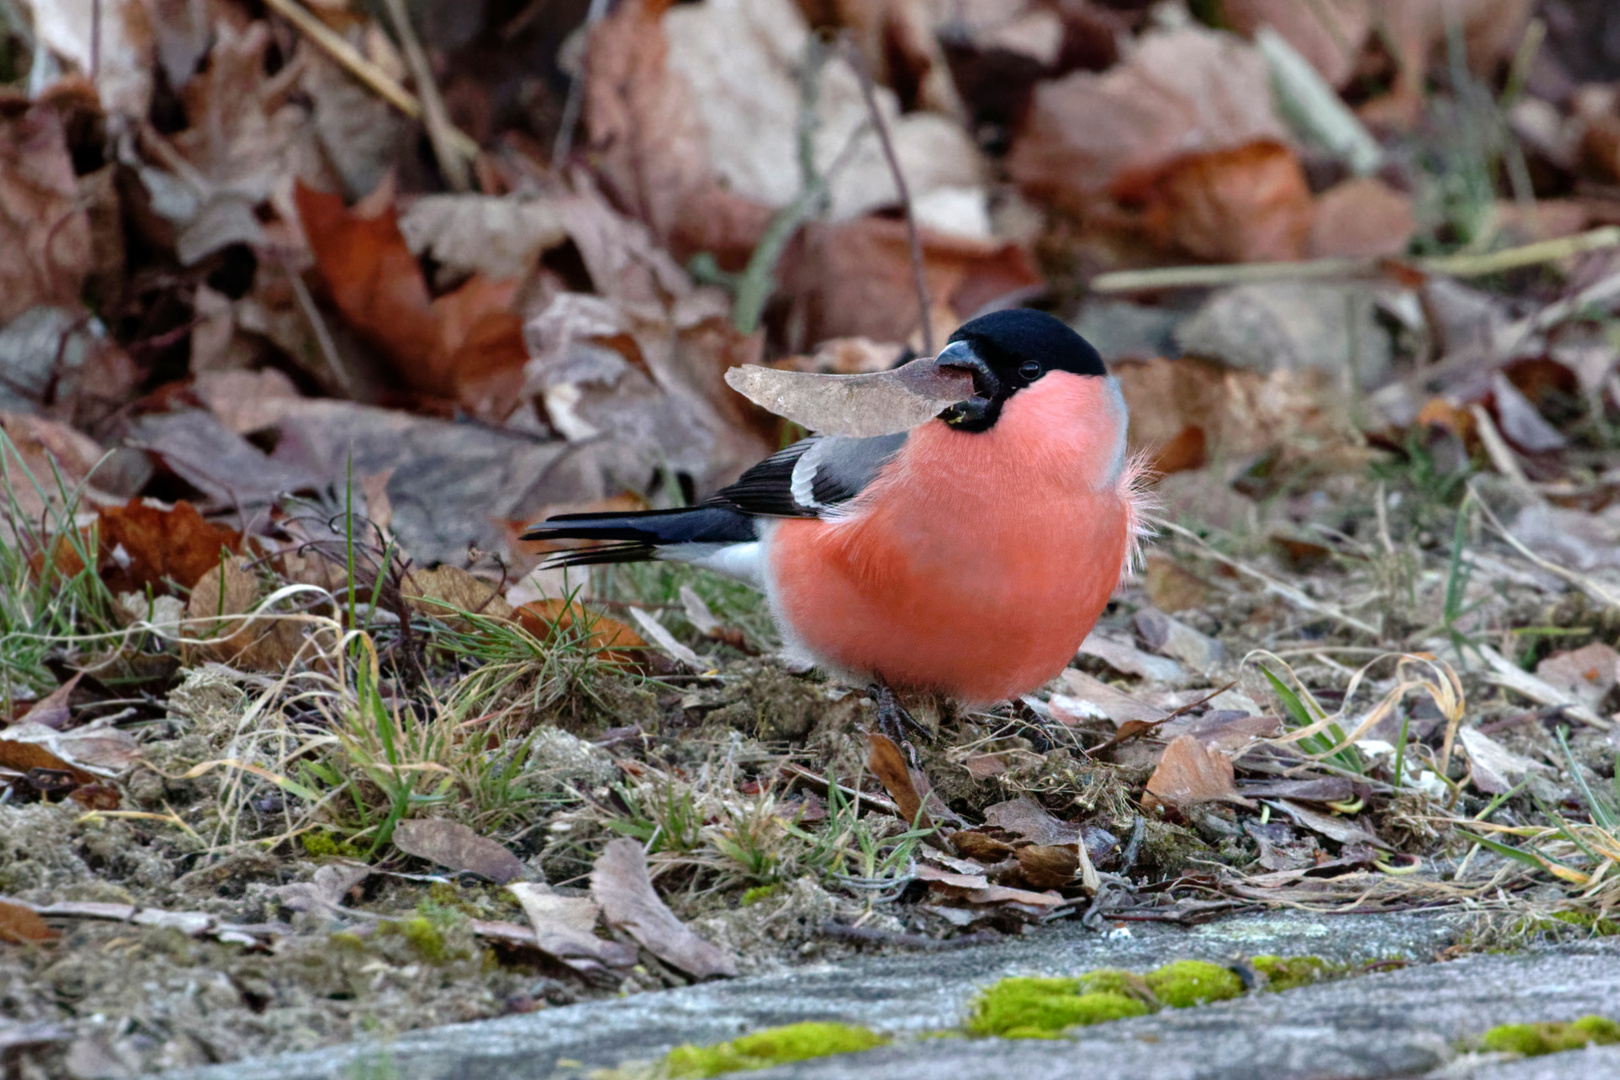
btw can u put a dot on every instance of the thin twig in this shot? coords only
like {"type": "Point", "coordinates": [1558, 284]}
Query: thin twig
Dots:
{"type": "Point", "coordinates": [1467, 265]}
{"type": "Point", "coordinates": [357, 65]}
{"type": "Point", "coordinates": [341, 379]}
{"type": "Point", "coordinates": [451, 162]}
{"type": "Point", "coordinates": [919, 278]}
{"type": "Point", "coordinates": [575, 102]}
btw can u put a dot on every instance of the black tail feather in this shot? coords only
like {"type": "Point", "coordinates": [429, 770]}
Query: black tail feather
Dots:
{"type": "Point", "coordinates": [633, 537]}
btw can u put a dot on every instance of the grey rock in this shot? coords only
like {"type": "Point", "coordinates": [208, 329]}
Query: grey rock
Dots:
{"type": "Point", "coordinates": [1293, 326]}
{"type": "Point", "coordinates": [912, 994]}
{"type": "Point", "coordinates": [1588, 1064]}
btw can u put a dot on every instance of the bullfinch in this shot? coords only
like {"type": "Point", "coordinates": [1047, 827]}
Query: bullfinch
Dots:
{"type": "Point", "coordinates": [969, 556]}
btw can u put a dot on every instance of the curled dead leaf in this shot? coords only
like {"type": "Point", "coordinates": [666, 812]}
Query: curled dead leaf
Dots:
{"type": "Point", "coordinates": [859, 406]}
{"type": "Point", "coordinates": [454, 845]}
{"type": "Point", "coordinates": [267, 642]}
{"type": "Point", "coordinates": [888, 764]}
{"type": "Point", "coordinates": [20, 925]}
{"type": "Point", "coordinates": [565, 927]}
{"type": "Point", "coordinates": [621, 885]}
{"type": "Point", "coordinates": [445, 591]}
{"type": "Point", "coordinates": [1049, 866]}
{"type": "Point", "coordinates": [1189, 774]}
{"type": "Point", "coordinates": [613, 640]}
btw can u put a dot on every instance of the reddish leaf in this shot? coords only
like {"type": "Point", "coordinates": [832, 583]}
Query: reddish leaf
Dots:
{"type": "Point", "coordinates": [1189, 774]}
{"type": "Point", "coordinates": [1249, 203]}
{"type": "Point", "coordinates": [45, 249]}
{"type": "Point", "coordinates": [144, 545]}
{"type": "Point", "coordinates": [888, 764]}
{"type": "Point", "coordinates": [20, 925]}
{"type": "Point", "coordinates": [96, 796]}
{"type": "Point", "coordinates": [547, 618]}
{"type": "Point", "coordinates": [466, 345]}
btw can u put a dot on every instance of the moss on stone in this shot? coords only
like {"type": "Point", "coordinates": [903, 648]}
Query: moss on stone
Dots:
{"type": "Point", "coordinates": [322, 844]}
{"type": "Point", "coordinates": [1185, 983]}
{"type": "Point", "coordinates": [762, 892]}
{"type": "Point", "coordinates": [1550, 1038]}
{"type": "Point", "coordinates": [773, 1046]}
{"type": "Point", "coordinates": [422, 935]}
{"type": "Point", "coordinates": [1024, 1007]}
{"type": "Point", "coordinates": [1287, 972]}
{"type": "Point", "coordinates": [1589, 920]}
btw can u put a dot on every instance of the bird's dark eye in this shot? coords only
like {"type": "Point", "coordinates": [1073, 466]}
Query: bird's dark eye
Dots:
{"type": "Point", "coordinates": [1029, 370]}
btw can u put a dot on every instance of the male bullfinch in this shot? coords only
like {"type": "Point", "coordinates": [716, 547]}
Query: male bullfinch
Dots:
{"type": "Point", "coordinates": [969, 556]}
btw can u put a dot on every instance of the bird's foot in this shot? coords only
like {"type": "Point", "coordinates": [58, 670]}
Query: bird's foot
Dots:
{"type": "Point", "coordinates": [892, 718]}
{"type": "Point", "coordinates": [1037, 729]}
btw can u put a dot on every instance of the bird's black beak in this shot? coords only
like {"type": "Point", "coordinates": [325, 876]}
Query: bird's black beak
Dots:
{"type": "Point", "coordinates": [986, 387]}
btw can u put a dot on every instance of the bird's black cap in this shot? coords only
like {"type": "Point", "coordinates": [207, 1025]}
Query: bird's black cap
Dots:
{"type": "Point", "coordinates": [1008, 339]}
{"type": "Point", "coordinates": [1007, 351]}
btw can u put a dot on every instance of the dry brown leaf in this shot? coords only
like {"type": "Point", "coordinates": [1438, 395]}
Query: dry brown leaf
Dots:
{"type": "Point", "coordinates": [1000, 894]}
{"type": "Point", "coordinates": [445, 590]}
{"type": "Point", "coordinates": [1224, 730]}
{"type": "Point", "coordinates": [52, 710]}
{"type": "Point", "coordinates": [45, 248]}
{"type": "Point", "coordinates": [1414, 33]}
{"type": "Point", "coordinates": [215, 460]}
{"type": "Point", "coordinates": [265, 643]}
{"type": "Point", "coordinates": [1362, 218]}
{"type": "Point", "coordinates": [100, 748]}
{"type": "Point", "coordinates": [25, 756]}
{"type": "Point", "coordinates": [96, 796]}
{"type": "Point", "coordinates": [1171, 586]}
{"type": "Point", "coordinates": [859, 406]}
{"type": "Point", "coordinates": [145, 546]}
{"type": "Point", "coordinates": [1248, 203]}
{"type": "Point", "coordinates": [854, 279]}
{"type": "Point", "coordinates": [1085, 697]}
{"type": "Point", "coordinates": [888, 764]}
{"type": "Point", "coordinates": [1031, 820]}
{"type": "Point", "coordinates": [500, 237]}
{"type": "Point", "coordinates": [467, 344]}
{"type": "Point", "coordinates": [1189, 774]}
{"type": "Point", "coordinates": [975, 844]}
{"type": "Point", "coordinates": [20, 925]}
{"type": "Point", "coordinates": [1049, 866]}
{"type": "Point", "coordinates": [650, 146]}
{"type": "Point", "coordinates": [326, 892]}
{"type": "Point", "coordinates": [113, 37]}
{"type": "Point", "coordinates": [617, 643]}
{"type": "Point", "coordinates": [1586, 674]}
{"type": "Point", "coordinates": [1187, 91]}
{"type": "Point", "coordinates": [454, 845]}
{"type": "Point", "coordinates": [565, 927]}
{"type": "Point", "coordinates": [1496, 769]}
{"type": "Point", "coordinates": [1344, 830]}
{"type": "Point", "coordinates": [742, 69]}
{"type": "Point", "coordinates": [621, 885]}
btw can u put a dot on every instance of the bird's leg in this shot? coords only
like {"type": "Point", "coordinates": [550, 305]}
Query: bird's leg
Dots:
{"type": "Point", "coordinates": [1037, 728]}
{"type": "Point", "coordinates": [892, 718]}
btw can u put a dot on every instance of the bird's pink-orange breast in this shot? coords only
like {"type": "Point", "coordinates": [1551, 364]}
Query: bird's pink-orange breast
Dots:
{"type": "Point", "coordinates": [978, 562]}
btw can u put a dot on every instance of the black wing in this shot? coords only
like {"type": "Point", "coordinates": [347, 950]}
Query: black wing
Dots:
{"type": "Point", "coordinates": [810, 477]}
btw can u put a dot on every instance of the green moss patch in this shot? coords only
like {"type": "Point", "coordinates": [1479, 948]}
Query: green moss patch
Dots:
{"type": "Point", "coordinates": [1193, 982]}
{"type": "Point", "coordinates": [1027, 1007]}
{"type": "Point", "coordinates": [1287, 972]}
{"type": "Point", "coordinates": [773, 1046]}
{"type": "Point", "coordinates": [1035, 1008]}
{"type": "Point", "coordinates": [1550, 1038]}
